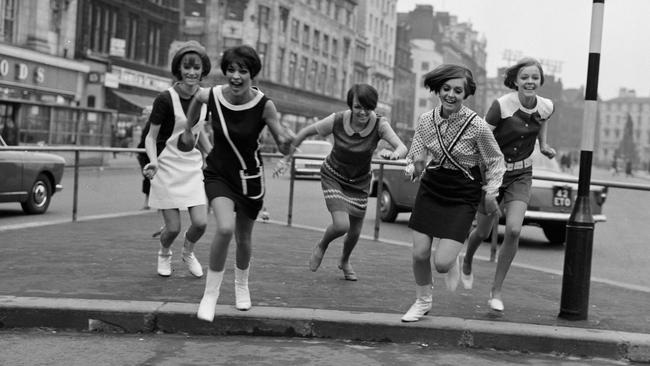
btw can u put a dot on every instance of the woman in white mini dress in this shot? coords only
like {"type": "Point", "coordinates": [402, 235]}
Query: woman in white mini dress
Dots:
{"type": "Point", "coordinates": [176, 176]}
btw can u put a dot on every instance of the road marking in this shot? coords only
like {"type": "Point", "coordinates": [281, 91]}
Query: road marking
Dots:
{"type": "Point", "coordinates": [624, 285]}
{"type": "Point", "coordinates": [28, 225]}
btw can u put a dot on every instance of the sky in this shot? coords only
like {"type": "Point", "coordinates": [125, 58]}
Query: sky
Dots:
{"type": "Point", "coordinates": [559, 30]}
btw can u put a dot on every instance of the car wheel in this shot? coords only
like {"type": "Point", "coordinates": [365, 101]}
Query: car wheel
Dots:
{"type": "Point", "coordinates": [387, 206]}
{"type": "Point", "coordinates": [39, 196]}
{"type": "Point", "coordinates": [555, 232]}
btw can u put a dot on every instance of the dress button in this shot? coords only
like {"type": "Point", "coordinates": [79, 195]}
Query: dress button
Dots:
{"type": "Point", "coordinates": [515, 149]}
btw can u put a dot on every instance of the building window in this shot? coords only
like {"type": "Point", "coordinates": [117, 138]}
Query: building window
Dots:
{"type": "Point", "coordinates": [231, 42]}
{"type": "Point", "coordinates": [8, 21]}
{"type": "Point", "coordinates": [103, 20]}
{"type": "Point", "coordinates": [132, 37]}
{"type": "Point", "coordinates": [280, 66]}
{"type": "Point", "coordinates": [284, 19]}
{"type": "Point", "coordinates": [302, 72]}
{"type": "Point", "coordinates": [293, 63]}
{"type": "Point", "coordinates": [153, 44]}
{"type": "Point", "coordinates": [306, 32]}
{"type": "Point", "coordinates": [322, 78]}
{"type": "Point", "coordinates": [332, 87]}
{"type": "Point", "coordinates": [317, 40]}
{"type": "Point", "coordinates": [346, 48]}
{"type": "Point", "coordinates": [235, 9]}
{"type": "Point", "coordinates": [311, 78]}
{"type": "Point", "coordinates": [326, 45]}
{"type": "Point", "coordinates": [263, 20]}
{"type": "Point", "coordinates": [295, 25]}
{"type": "Point", "coordinates": [335, 49]}
{"type": "Point", "coordinates": [262, 49]}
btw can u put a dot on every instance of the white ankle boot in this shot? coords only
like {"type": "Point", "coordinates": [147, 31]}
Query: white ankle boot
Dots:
{"type": "Point", "coordinates": [422, 305]}
{"type": "Point", "coordinates": [242, 295]}
{"type": "Point", "coordinates": [208, 304]}
{"type": "Point", "coordinates": [190, 260]}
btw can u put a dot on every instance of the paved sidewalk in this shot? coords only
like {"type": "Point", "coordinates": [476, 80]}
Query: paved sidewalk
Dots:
{"type": "Point", "coordinates": [46, 270]}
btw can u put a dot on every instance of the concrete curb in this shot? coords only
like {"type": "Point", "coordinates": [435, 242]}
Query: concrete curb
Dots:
{"type": "Point", "coordinates": [170, 317]}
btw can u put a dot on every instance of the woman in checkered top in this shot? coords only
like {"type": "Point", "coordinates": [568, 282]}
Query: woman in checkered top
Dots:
{"type": "Point", "coordinates": [458, 142]}
{"type": "Point", "coordinates": [517, 120]}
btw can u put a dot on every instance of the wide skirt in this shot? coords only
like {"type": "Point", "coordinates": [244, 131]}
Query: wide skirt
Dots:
{"type": "Point", "coordinates": [446, 203]}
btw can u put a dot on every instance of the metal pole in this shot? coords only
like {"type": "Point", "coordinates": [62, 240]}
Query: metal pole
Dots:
{"type": "Point", "coordinates": [291, 183]}
{"type": "Point", "coordinates": [75, 186]}
{"type": "Point", "coordinates": [580, 228]}
{"type": "Point", "coordinates": [379, 191]}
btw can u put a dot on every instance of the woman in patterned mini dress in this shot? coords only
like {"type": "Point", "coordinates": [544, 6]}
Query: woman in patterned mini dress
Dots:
{"type": "Point", "coordinates": [345, 173]}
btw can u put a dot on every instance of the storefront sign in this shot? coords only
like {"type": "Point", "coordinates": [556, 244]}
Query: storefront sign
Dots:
{"type": "Point", "coordinates": [31, 73]}
{"type": "Point", "coordinates": [139, 79]}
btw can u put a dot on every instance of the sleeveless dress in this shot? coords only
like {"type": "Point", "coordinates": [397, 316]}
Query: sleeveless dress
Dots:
{"type": "Point", "coordinates": [345, 173]}
{"type": "Point", "coordinates": [234, 167]}
{"type": "Point", "coordinates": [178, 181]}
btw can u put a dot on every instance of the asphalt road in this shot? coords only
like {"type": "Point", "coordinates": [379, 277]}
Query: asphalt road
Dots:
{"type": "Point", "coordinates": [619, 248]}
{"type": "Point", "coordinates": [44, 347]}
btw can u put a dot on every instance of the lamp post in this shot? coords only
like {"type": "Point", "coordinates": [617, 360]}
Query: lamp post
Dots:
{"type": "Point", "coordinates": [580, 228]}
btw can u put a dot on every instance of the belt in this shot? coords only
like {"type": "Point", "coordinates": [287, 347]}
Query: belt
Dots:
{"type": "Point", "coordinates": [520, 164]}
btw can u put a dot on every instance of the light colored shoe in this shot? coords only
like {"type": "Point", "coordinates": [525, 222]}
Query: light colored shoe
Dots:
{"type": "Point", "coordinates": [165, 263]}
{"type": "Point", "coordinates": [422, 305]}
{"type": "Point", "coordinates": [208, 304]}
{"type": "Point", "coordinates": [316, 258]}
{"type": "Point", "coordinates": [348, 272]}
{"type": "Point", "coordinates": [453, 276]}
{"type": "Point", "coordinates": [495, 304]}
{"type": "Point", "coordinates": [467, 280]}
{"type": "Point", "coordinates": [242, 295]}
{"type": "Point", "coordinates": [192, 263]}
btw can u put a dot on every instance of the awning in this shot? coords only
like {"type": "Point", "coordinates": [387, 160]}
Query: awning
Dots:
{"type": "Point", "coordinates": [125, 101]}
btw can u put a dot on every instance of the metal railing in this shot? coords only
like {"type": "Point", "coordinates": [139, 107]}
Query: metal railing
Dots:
{"type": "Point", "coordinates": [379, 178]}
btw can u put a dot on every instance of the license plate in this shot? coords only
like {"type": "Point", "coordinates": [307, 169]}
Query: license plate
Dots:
{"type": "Point", "coordinates": [562, 196]}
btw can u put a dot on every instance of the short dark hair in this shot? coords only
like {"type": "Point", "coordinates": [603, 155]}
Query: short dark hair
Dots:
{"type": "Point", "coordinates": [435, 78]}
{"type": "Point", "coordinates": [244, 56]}
{"type": "Point", "coordinates": [513, 71]}
{"type": "Point", "coordinates": [366, 95]}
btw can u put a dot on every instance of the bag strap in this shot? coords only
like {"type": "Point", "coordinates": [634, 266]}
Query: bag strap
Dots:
{"type": "Point", "coordinates": [446, 150]}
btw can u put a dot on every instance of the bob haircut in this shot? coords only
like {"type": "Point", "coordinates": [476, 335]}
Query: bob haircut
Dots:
{"type": "Point", "coordinates": [366, 95]}
{"type": "Point", "coordinates": [190, 47]}
{"type": "Point", "coordinates": [244, 56]}
{"type": "Point", "coordinates": [513, 71]}
{"type": "Point", "coordinates": [435, 78]}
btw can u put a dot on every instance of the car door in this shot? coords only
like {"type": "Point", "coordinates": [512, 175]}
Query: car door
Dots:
{"type": "Point", "coordinates": [11, 173]}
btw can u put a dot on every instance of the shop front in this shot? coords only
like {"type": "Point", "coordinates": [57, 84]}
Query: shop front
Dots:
{"type": "Point", "coordinates": [39, 97]}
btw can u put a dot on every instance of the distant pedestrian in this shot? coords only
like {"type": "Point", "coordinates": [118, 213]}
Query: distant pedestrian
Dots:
{"type": "Point", "coordinates": [176, 176]}
{"type": "Point", "coordinates": [346, 171]}
{"type": "Point", "coordinates": [517, 119]}
{"type": "Point", "coordinates": [459, 142]}
{"type": "Point", "coordinates": [614, 166]}
{"type": "Point", "coordinates": [628, 168]}
{"type": "Point", "coordinates": [234, 175]}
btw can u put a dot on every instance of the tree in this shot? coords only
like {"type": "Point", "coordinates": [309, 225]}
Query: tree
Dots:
{"type": "Point", "coordinates": [627, 147]}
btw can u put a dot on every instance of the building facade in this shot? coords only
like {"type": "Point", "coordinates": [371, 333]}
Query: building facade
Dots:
{"type": "Point", "coordinates": [613, 117]}
{"type": "Point", "coordinates": [403, 118]}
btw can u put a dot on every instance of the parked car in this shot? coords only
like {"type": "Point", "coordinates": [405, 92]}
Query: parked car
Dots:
{"type": "Point", "coordinates": [550, 204]}
{"type": "Point", "coordinates": [311, 167]}
{"type": "Point", "coordinates": [30, 178]}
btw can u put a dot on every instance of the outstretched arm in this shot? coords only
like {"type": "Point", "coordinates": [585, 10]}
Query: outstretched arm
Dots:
{"type": "Point", "coordinates": [387, 133]}
{"type": "Point", "coordinates": [282, 136]}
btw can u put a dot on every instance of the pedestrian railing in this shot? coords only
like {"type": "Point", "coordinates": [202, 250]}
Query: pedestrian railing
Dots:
{"type": "Point", "coordinates": [379, 163]}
